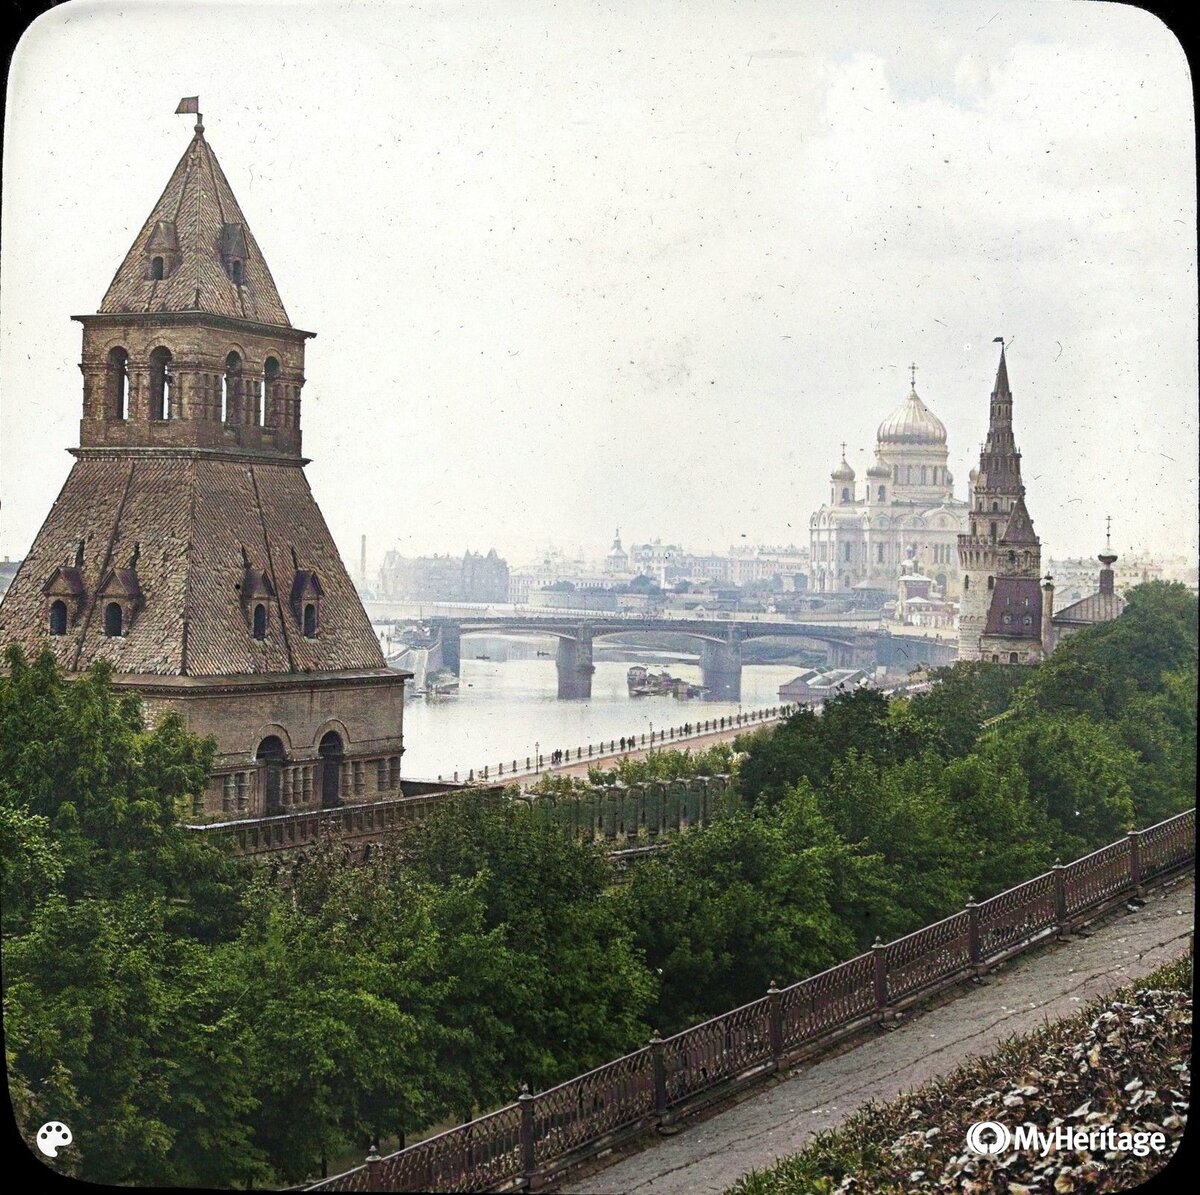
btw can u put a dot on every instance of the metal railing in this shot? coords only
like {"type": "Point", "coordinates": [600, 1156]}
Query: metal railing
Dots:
{"type": "Point", "coordinates": [618, 815]}
{"type": "Point", "coordinates": [539, 1135]}
{"type": "Point", "coordinates": [608, 751]}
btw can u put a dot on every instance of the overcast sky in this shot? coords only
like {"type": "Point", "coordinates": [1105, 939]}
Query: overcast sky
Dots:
{"type": "Point", "coordinates": [576, 265]}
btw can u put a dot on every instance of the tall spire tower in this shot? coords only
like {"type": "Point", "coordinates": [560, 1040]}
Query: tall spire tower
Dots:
{"type": "Point", "coordinates": [1003, 611]}
{"type": "Point", "coordinates": [186, 547]}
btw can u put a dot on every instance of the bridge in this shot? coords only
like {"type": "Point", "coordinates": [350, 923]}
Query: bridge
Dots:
{"type": "Point", "coordinates": [719, 640]}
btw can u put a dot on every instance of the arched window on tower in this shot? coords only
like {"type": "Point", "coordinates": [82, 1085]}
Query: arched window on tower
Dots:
{"type": "Point", "coordinates": [231, 388]}
{"type": "Point", "coordinates": [845, 494]}
{"type": "Point", "coordinates": [58, 617]}
{"type": "Point", "coordinates": [272, 416]}
{"type": "Point", "coordinates": [156, 269]}
{"type": "Point", "coordinates": [882, 493]}
{"type": "Point", "coordinates": [966, 583]}
{"type": "Point", "coordinates": [991, 582]}
{"type": "Point", "coordinates": [118, 383]}
{"type": "Point", "coordinates": [161, 384]}
{"type": "Point", "coordinates": [923, 475]}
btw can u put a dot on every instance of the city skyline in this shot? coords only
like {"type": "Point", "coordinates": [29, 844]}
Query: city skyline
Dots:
{"type": "Point", "coordinates": [572, 269]}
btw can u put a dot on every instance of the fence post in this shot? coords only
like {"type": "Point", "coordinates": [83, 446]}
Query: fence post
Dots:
{"type": "Point", "coordinates": [525, 1101]}
{"type": "Point", "coordinates": [660, 1075]}
{"type": "Point", "coordinates": [775, 1023]}
{"type": "Point", "coordinates": [374, 1169]}
{"type": "Point", "coordinates": [974, 945]}
{"type": "Point", "coordinates": [1060, 898]}
{"type": "Point", "coordinates": [1135, 861]}
{"type": "Point", "coordinates": [877, 954]}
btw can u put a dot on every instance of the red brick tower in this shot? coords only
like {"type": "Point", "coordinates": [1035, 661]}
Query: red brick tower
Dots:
{"type": "Point", "coordinates": [186, 546]}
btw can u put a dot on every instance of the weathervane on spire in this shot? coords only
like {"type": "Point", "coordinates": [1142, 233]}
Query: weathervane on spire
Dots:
{"type": "Point", "coordinates": [191, 103]}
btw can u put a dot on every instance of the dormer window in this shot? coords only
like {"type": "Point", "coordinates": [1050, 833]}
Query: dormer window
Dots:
{"type": "Point", "coordinates": [65, 592]}
{"type": "Point", "coordinates": [119, 595]}
{"type": "Point", "coordinates": [256, 594]}
{"type": "Point", "coordinates": [162, 249]}
{"type": "Point", "coordinates": [306, 602]}
{"type": "Point", "coordinates": [234, 251]}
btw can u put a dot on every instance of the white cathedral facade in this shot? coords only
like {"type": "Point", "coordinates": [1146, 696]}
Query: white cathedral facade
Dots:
{"type": "Point", "coordinates": [904, 509]}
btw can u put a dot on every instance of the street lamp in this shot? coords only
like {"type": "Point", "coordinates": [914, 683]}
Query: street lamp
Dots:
{"type": "Point", "coordinates": [537, 756]}
{"type": "Point", "coordinates": [651, 736]}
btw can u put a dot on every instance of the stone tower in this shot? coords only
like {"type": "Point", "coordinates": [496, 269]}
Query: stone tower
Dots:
{"type": "Point", "coordinates": [1003, 612]}
{"type": "Point", "coordinates": [186, 547]}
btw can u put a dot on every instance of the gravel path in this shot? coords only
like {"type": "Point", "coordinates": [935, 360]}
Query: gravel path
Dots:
{"type": "Point", "coordinates": [707, 1156]}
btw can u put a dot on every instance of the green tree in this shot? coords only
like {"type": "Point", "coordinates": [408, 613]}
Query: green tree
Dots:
{"type": "Point", "coordinates": [1080, 777]}
{"type": "Point", "coordinates": [582, 991]}
{"type": "Point", "coordinates": [727, 909]}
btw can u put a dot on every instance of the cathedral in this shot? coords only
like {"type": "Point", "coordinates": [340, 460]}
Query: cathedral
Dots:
{"type": "Point", "coordinates": [1005, 609]}
{"type": "Point", "coordinates": [186, 547]}
{"type": "Point", "coordinates": [903, 513]}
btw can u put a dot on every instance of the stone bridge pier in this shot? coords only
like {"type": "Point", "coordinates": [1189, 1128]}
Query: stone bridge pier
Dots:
{"type": "Point", "coordinates": [575, 667]}
{"type": "Point", "coordinates": [721, 668]}
{"type": "Point", "coordinates": [450, 642]}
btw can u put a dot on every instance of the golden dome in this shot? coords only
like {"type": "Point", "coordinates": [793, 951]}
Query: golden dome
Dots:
{"type": "Point", "coordinates": [912, 423]}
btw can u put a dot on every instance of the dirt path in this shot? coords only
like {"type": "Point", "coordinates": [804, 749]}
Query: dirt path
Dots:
{"type": "Point", "coordinates": [709, 1155]}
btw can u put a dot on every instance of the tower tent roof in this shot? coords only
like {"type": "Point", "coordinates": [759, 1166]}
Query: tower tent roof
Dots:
{"type": "Point", "coordinates": [1001, 390]}
{"type": "Point", "coordinates": [1020, 526]}
{"type": "Point", "coordinates": [199, 228]}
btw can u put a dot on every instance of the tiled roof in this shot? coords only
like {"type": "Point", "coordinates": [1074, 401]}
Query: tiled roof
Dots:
{"type": "Point", "coordinates": [1097, 607]}
{"type": "Point", "coordinates": [197, 224]}
{"type": "Point", "coordinates": [1014, 600]}
{"type": "Point", "coordinates": [186, 520]}
{"type": "Point", "coordinates": [1020, 526]}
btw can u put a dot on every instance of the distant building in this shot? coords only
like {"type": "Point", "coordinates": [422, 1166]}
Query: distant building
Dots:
{"type": "Point", "coordinates": [8, 570]}
{"type": "Point", "coordinates": [472, 578]}
{"type": "Point", "coordinates": [1102, 606]}
{"type": "Point", "coordinates": [1004, 610]}
{"type": "Point", "coordinates": [817, 685]}
{"type": "Point", "coordinates": [616, 563]}
{"type": "Point", "coordinates": [904, 508]}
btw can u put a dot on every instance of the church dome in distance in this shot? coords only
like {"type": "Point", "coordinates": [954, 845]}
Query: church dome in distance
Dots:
{"type": "Point", "coordinates": [843, 472]}
{"type": "Point", "coordinates": [912, 423]}
{"type": "Point", "coordinates": [879, 469]}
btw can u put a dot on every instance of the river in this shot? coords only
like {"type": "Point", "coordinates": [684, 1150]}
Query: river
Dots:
{"type": "Point", "coordinates": [506, 706]}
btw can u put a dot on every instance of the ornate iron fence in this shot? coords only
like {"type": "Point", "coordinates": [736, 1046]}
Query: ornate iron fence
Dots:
{"type": "Point", "coordinates": [540, 1135]}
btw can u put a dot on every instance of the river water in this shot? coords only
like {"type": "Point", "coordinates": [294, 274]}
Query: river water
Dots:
{"type": "Point", "coordinates": [506, 706]}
